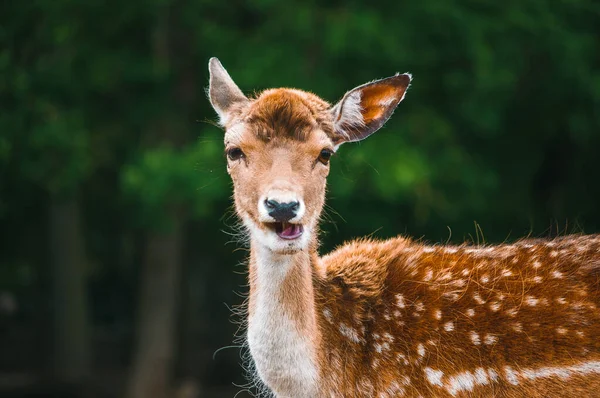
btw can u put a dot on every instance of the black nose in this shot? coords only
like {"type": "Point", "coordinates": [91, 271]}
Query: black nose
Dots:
{"type": "Point", "coordinates": [282, 211]}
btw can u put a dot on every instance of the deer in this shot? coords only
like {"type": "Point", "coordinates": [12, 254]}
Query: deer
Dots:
{"type": "Point", "coordinates": [396, 317]}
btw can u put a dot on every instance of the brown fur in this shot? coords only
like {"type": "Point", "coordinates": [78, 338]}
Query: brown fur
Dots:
{"type": "Point", "coordinates": [397, 317]}
{"type": "Point", "coordinates": [287, 113]}
{"type": "Point", "coordinates": [497, 282]}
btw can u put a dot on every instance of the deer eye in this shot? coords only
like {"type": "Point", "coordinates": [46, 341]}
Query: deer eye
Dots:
{"type": "Point", "coordinates": [325, 155]}
{"type": "Point", "coordinates": [234, 153]}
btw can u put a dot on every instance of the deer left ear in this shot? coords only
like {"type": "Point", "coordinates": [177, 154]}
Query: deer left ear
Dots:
{"type": "Point", "coordinates": [366, 108]}
{"type": "Point", "coordinates": [223, 93]}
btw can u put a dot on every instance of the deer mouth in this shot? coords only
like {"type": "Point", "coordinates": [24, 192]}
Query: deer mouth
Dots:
{"type": "Point", "coordinates": [286, 230]}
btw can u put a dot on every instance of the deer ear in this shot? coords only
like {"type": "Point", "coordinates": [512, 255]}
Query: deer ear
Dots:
{"type": "Point", "coordinates": [224, 94]}
{"type": "Point", "coordinates": [366, 108]}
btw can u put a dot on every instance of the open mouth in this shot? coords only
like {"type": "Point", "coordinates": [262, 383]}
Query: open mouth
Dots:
{"type": "Point", "coordinates": [286, 230]}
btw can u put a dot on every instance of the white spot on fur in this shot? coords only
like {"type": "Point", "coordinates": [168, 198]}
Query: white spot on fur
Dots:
{"type": "Point", "coordinates": [531, 301]}
{"type": "Point", "coordinates": [474, 338]}
{"type": "Point", "coordinates": [421, 350]}
{"type": "Point", "coordinates": [557, 274]}
{"type": "Point", "coordinates": [437, 314]}
{"type": "Point", "coordinates": [561, 300]}
{"type": "Point", "coordinates": [428, 250]}
{"type": "Point", "coordinates": [394, 389]}
{"type": "Point", "coordinates": [464, 381]}
{"type": "Point", "coordinates": [450, 250]}
{"type": "Point", "coordinates": [449, 326]}
{"type": "Point", "coordinates": [434, 376]}
{"type": "Point", "coordinates": [478, 299]}
{"type": "Point", "coordinates": [490, 339]}
{"type": "Point", "coordinates": [402, 358]}
{"type": "Point", "coordinates": [481, 376]}
{"type": "Point", "coordinates": [327, 314]}
{"type": "Point", "coordinates": [446, 276]}
{"type": "Point", "coordinates": [459, 282]}
{"type": "Point", "coordinates": [485, 278]}
{"type": "Point", "coordinates": [495, 306]}
{"type": "Point", "coordinates": [579, 333]}
{"type": "Point", "coordinates": [493, 375]}
{"type": "Point", "coordinates": [506, 272]}
{"type": "Point", "coordinates": [538, 279]}
{"type": "Point", "coordinates": [517, 327]}
{"type": "Point", "coordinates": [471, 312]}
{"type": "Point", "coordinates": [537, 264]}
{"type": "Point", "coordinates": [400, 301]}
{"type": "Point", "coordinates": [511, 375]}
{"type": "Point", "coordinates": [382, 347]}
{"type": "Point", "coordinates": [561, 330]}
{"type": "Point", "coordinates": [512, 312]}
{"type": "Point", "coordinates": [349, 332]}
{"type": "Point", "coordinates": [428, 275]}
{"type": "Point", "coordinates": [563, 372]}
{"type": "Point", "coordinates": [452, 296]}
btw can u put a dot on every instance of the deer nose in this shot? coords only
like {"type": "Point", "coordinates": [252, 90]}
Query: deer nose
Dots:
{"type": "Point", "coordinates": [282, 212]}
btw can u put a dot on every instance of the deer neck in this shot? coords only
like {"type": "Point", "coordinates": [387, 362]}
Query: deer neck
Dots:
{"type": "Point", "coordinates": [282, 328]}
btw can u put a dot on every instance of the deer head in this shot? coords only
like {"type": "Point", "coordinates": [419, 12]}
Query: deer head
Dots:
{"type": "Point", "coordinates": [278, 147]}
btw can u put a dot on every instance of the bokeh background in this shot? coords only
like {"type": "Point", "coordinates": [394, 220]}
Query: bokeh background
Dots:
{"type": "Point", "coordinates": [119, 274]}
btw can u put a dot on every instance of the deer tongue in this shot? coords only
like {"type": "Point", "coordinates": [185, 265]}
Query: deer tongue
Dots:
{"type": "Point", "coordinates": [289, 231]}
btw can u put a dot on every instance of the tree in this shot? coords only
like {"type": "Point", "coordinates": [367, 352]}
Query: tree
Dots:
{"type": "Point", "coordinates": [50, 141]}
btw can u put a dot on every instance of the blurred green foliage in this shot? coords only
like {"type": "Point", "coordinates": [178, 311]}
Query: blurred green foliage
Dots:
{"type": "Point", "coordinates": [105, 100]}
{"type": "Point", "coordinates": [164, 177]}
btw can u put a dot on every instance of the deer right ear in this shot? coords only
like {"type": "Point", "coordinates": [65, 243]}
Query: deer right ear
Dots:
{"type": "Point", "coordinates": [224, 94]}
{"type": "Point", "coordinates": [366, 108]}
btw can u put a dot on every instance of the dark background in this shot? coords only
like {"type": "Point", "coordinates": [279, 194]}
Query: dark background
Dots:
{"type": "Point", "coordinates": [118, 269]}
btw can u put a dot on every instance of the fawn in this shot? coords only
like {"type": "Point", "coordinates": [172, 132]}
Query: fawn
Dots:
{"type": "Point", "coordinates": [397, 317]}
